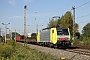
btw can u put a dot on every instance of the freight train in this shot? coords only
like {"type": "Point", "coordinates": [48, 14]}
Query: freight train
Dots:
{"type": "Point", "coordinates": [56, 37]}
{"type": "Point", "coordinates": [53, 37]}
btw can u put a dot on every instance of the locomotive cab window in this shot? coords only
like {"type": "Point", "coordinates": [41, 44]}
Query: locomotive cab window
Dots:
{"type": "Point", "coordinates": [59, 32]}
{"type": "Point", "coordinates": [52, 31]}
{"type": "Point", "coordinates": [63, 32]}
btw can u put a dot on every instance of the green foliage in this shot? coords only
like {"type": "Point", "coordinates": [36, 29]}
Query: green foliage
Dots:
{"type": "Point", "coordinates": [76, 27]}
{"type": "Point", "coordinates": [82, 41]}
{"type": "Point", "coordinates": [7, 49]}
{"type": "Point", "coordinates": [86, 34]}
{"type": "Point", "coordinates": [65, 21]}
{"type": "Point", "coordinates": [25, 53]}
{"type": "Point", "coordinates": [53, 23]}
{"type": "Point", "coordinates": [86, 30]}
{"type": "Point", "coordinates": [76, 42]}
{"type": "Point", "coordinates": [21, 52]}
{"type": "Point", "coordinates": [33, 34]}
{"type": "Point", "coordinates": [33, 37]}
{"type": "Point", "coordinates": [84, 38]}
{"type": "Point", "coordinates": [77, 34]}
{"type": "Point", "coordinates": [86, 41]}
{"type": "Point", "coordinates": [11, 42]}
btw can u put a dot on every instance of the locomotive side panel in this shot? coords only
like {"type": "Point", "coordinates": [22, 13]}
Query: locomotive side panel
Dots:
{"type": "Point", "coordinates": [45, 36]}
{"type": "Point", "coordinates": [53, 36]}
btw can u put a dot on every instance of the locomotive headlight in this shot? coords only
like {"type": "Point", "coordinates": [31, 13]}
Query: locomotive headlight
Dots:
{"type": "Point", "coordinates": [58, 39]}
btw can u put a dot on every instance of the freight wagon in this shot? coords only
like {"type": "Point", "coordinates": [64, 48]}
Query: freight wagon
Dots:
{"type": "Point", "coordinates": [20, 38]}
{"type": "Point", "coordinates": [56, 37]}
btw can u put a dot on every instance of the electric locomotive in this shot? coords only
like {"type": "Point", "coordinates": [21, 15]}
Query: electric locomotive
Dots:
{"type": "Point", "coordinates": [56, 37]}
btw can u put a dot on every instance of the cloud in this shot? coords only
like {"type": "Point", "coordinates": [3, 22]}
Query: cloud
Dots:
{"type": "Point", "coordinates": [27, 1]}
{"type": "Point", "coordinates": [12, 2]}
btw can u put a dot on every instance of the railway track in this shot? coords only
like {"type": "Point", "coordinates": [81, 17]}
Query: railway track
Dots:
{"type": "Point", "coordinates": [70, 54]}
{"type": "Point", "coordinates": [74, 50]}
{"type": "Point", "coordinates": [79, 51]}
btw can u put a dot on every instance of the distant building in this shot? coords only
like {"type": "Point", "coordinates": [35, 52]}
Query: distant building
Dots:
{"type": "Point", "coordinates": [29, 34]}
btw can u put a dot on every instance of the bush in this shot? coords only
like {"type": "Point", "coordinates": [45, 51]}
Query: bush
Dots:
{"type": "Point", "coordinates": [11, 42]}
{"type": "Point", "coordinates": [76, 42]}
{"type": "Point", "coordinates": [7, 49]}
{"type": "Point", "coordinates": [33, 37]}
{"type": "Point", "coordinates": [86, 41]}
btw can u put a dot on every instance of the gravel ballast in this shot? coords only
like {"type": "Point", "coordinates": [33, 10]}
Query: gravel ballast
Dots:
{"type": "Point", "coordinates": [60, 53]}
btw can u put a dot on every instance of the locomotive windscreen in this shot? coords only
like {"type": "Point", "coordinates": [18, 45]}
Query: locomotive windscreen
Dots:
{"type": "Point", "coordinates": [62, 32]}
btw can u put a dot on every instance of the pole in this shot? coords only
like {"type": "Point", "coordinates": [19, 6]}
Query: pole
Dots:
{"type": "Point", "coordinates": [0, 31]}
{"type": "Point", "coordinates": [15, 35]}
{"type": "Point", "coordinates": [37, 28]}
{"type": "Point", "coordinates": [25, 25]}
{"type": "Point", "coordinates": [10, 32]}
{"type": "Point", "coordinates": [35, 23]}
{"type": "Point", "coordinates": [73, 8]}
{"type": "Point", "coordinates": [5, 32]}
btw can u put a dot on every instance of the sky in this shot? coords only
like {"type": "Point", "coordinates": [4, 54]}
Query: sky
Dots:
{"type": "Point", "coordinates": [12, 11]}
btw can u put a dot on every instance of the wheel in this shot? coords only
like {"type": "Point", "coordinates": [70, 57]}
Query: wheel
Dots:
{"type": "Point", "coordinates": [55, 46]}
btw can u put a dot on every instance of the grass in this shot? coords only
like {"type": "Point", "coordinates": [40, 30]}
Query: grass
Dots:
{"type": "Point", "coordinates": [25, 53]}
{"type": "Point", "coordinates": [21, 52]}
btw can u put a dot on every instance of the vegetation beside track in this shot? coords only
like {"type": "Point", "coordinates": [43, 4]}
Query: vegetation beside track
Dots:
{"type": "Point", "coordinates": [82, 42]}
{"type": "Point", "coordinates": [15, 51]}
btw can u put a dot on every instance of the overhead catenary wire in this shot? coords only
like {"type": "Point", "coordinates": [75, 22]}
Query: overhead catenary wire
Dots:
{"type": "Point", "coordinates": [82, 16]}
{"type": "Point", "coordinates": [82, 4]}
{"type": "Point", "coordinates": [85, 8]}
{"type": "Point", "coordinates": [71, 10]}
{"type": "Point", "coordinates": [85, 15]}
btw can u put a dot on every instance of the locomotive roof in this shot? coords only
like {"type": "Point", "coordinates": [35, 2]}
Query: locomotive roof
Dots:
{"type": "Point", "coordinates": [53, 27]}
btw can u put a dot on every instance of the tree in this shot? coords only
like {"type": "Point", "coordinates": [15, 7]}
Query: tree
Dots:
{"type": "Point", "coordinates": [77, 34]}
{"type": "Point", "coordinates": [53, 23]}
{"type": "Point", "coordinates": [33, 36]}
{"type": "Point", "coordinates": [86, 30]}
{"type": "Point", "coordinates": [66, 21]}
{"type": "Point", "coordinates": [76, 27]}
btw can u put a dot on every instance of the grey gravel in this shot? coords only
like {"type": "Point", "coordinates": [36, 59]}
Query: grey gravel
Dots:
{"type": "Point", "coordinates": [60, 53]}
